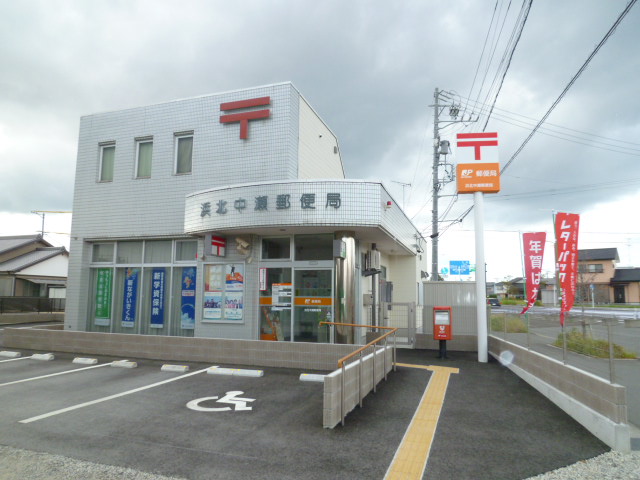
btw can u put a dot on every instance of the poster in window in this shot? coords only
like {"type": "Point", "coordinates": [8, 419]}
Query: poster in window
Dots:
{"type": "Point", "coordinates": [214, 279]}
{"type": "Point", "coordinates": [158, 276]}
{"type": "Point", "coordinates": [224, 293]}
{"type": "Point", "coordinates": [130, 297]}
{"type": "Point", "coordinates": [234, 277]}
{"type": "Point", "coordinates": [188, 304]}
{"type": "Point", "coordinates": [233, 305]}
{"type": "Point", "coordinates": [212, 305]}
{"type": "Point", "coordinates": [104, 283]}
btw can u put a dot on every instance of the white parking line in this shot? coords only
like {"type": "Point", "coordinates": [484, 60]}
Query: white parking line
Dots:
{"type": "Point", "coordinates": [16, 359]}
{"type": "Point", "coordinates": [110, 397]}
{"type": "Point", "coordinates": [53, 374]}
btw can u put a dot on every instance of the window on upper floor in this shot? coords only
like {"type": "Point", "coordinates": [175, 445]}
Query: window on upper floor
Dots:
{"type": "Point", "coordinates": [144, 149]}
{"type": "Point", "coordinates": [183, 153]}
{"type": "Point", "coordinates": [107, 160]}
{"type": "Point", "coordinates": [591, 268]}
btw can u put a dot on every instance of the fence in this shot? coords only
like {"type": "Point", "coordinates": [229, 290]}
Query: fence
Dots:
{"type": "Point", "coordinates": [31, 304]}
{"type": "Point", "coordinates": [358, 374]}
{"type": "Point", "coordinates": [605, 345]}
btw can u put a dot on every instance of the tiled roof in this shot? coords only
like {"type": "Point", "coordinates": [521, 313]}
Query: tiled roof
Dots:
{"type": "Point", "coordinates": [626, 275]}
{"type": "Point", "coordinates": [31, 258]}
{"type": "Point", "coordinates": [598, 254]}
{"type": "Point", "coordinates": [17, 241]}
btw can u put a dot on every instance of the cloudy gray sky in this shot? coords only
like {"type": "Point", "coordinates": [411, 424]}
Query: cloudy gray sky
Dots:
{"type": "Point", "coordinates": [369, 68]}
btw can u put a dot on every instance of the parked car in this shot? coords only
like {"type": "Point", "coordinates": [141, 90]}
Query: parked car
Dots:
{"type": "Point", "coordinates": [494, 302]}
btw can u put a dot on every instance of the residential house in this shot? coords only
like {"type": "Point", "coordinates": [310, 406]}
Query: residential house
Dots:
{"type": "Point", "coordinates": [596, 268]}
{"type": "Point", "coordinates": [32, 267]}
{"type": "Point", "coordinates": [512, 288]}
{"type": "Point", "coordinates": [626, 285]}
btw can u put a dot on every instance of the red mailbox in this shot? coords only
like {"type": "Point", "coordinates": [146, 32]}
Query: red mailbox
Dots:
{"type": "Point", "coordinates": [442, 320]}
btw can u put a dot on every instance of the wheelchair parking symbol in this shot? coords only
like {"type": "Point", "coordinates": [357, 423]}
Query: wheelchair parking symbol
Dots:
{"type": "Point", "coordinates": [230, 398]}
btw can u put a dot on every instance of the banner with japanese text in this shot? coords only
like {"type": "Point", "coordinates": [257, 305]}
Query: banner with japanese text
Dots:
{"type": "Point", "coordinates": [566, 228]}
{"type": "Point", "coordinates": [130, 297]}
{"type": "Point", "coordinates": [533, 251]}
{"type": "Point", "coordinates": [104, 282]}
{"type": "Point", "coordinates": [157, 297]}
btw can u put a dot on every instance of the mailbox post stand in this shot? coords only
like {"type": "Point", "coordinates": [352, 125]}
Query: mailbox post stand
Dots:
{"type": "Point", "coordinates": [442, 320]}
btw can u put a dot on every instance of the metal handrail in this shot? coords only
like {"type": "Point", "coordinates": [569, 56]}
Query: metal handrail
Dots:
{"type": "Point", "coordinates": [364, 347]}
{"type": "Point", "coordinates": [341, 362]}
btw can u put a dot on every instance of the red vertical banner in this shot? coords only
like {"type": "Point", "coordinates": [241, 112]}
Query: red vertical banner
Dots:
{"type": "Point", "coordinates": [566, 228]}
{"type": "Point", "coordinates": [533, 251]}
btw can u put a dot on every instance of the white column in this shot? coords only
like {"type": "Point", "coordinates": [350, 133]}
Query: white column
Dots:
{"type": "Point", "coordinates": [481, 286]}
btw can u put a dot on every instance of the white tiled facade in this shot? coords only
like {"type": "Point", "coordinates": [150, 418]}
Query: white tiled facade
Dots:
{"type": "Point", "coordinates": [292, 151]}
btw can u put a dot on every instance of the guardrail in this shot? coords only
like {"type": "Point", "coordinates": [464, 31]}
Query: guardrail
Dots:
{"type": "Point", "coordinates": [359, 353]}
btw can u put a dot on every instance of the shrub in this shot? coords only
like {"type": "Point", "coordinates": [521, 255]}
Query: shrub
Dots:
{"type": "Point", "coordinates": [514, 324]}
{"type": "Point", "coordinates": [585, 345]}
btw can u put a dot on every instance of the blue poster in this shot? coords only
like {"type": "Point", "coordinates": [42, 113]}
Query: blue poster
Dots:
{"type": "Point", "coordinates": [188, 308]}
{"type": "Point", "coordinates": [130, 297]}
{"type": "Point", "coordinates": [157, 297]}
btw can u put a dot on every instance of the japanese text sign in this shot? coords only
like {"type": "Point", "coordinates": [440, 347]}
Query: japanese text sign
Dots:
{"type": "Point", "coordinates": [533, 250]}
{"type": "Point", "coordinates": [158, 277]}
{"type": "Point", "coordinates": [130, 298]}
{"type": "Point", "coordinates": [566, 227]}
{"type": "Point", "coordinates": [478, 177]}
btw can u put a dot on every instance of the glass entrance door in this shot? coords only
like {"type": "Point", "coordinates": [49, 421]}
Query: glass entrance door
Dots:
{"type": "Point", "coordinates": [312, 304]}
{"type": "Point", "coordinates": [275, 304]}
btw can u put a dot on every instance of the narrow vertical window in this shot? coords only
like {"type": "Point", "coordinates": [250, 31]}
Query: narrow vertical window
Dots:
{"type": "Point", "coordinates": [143, 158]}
{"type": "Point", "coordinates": [107, 157]}
{"type": "Point", "coordinates": [184, 151]}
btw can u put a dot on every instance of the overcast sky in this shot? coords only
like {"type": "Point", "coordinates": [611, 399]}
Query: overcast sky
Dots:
{"type": "Point", "coordinates": [369, 68]}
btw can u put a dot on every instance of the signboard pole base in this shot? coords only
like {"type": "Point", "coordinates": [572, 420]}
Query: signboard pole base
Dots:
{"type": "Point", "coordinates": [443, 350]}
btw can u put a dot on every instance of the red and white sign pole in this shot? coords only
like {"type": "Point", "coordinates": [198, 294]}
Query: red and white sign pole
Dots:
{"type": "Point", "coordinates": [477, 141]}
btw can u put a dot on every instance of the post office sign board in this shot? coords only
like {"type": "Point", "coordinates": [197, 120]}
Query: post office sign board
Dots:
{"type": "Point", "coordinates": [478, 177]}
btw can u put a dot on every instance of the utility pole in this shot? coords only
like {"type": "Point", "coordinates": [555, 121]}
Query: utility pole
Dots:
{"type": "Point", "coordinates": [436, 188]}
{"type": "Point", "coordinates": [41, 213]}
{"type": "Point", "coordinates": [440, 147]}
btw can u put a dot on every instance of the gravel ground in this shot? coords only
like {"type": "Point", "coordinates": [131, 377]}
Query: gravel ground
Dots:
{"type": "Point", "coordinates": [18, 464]}
{"type": "Point", "coordinates": [608, 466]}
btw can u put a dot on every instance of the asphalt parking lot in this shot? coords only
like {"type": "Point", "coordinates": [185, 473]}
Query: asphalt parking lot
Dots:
{"type": "Point", "coordinates": [492, 425]}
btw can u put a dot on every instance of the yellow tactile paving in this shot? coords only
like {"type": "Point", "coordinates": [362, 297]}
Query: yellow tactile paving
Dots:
{"type": "Point", "coordinates": [411, 457]}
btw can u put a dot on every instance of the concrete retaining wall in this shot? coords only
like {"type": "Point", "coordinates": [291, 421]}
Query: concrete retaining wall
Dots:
{"type": "Point", "coordinates": [358, 382]}
{"type": "Point", "coordinates": [599, 406]}
{"type": "Point", "coordinates": [308, 356]}
{"type": "Point", "coordinates": [17, 318]}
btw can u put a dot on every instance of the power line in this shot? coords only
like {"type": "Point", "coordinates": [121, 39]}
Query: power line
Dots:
{"type": "Point", "coordinates": [493, 51]}
{"type": "Point", "coordinates": [563, 136]}
{"type": "Point", "coordinates": [513, 49]}
{"type": "Point", "coordinates": [566, 89]}
{"type": "Point", "coordinates": [507, 113]}
{"type": "Point", "coordinates": [475, 76]}
{"type": "Point", "coordinates": [570, 84]}
{"type": "Point", "coordinates": [564, 191]}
